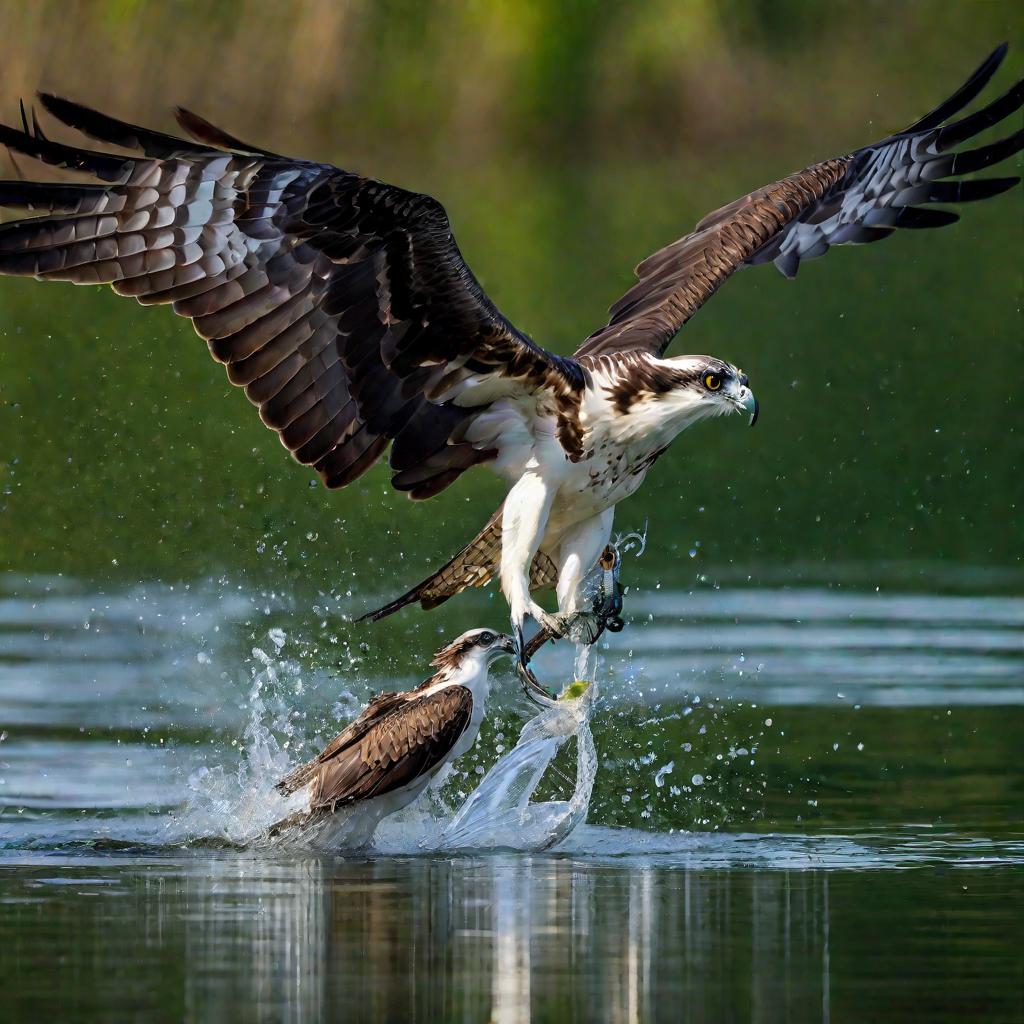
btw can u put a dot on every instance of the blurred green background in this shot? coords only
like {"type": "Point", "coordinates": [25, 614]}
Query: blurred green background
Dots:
{"type": "Point", "coordinates": [568, 141]}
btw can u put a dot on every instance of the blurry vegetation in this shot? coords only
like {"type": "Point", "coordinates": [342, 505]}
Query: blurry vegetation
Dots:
{"type": "Point", "coordinates": [568, 141]}
{"type": "Point", "coordinates": [455, 81]}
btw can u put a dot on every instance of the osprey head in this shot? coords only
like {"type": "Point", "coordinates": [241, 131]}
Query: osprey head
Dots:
{"type": "Point", "coordinates": [483, 646]}
{"type": "Point", "coordinates": [705, 386]}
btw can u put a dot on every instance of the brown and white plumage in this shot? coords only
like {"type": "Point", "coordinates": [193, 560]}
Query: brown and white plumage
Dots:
{"type": "Point", "coordinates": [341, 304]}
{"type": "Point", "coordinates": [344, 308]}
{"type": "Point", "coordinates": [402, 741]}
{"type": "Point", "coordinates": [854, 199]}
{"type": "Point", "coordinates": [396, 740]}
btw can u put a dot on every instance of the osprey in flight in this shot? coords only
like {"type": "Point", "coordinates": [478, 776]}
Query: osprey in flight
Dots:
{"type": "Point", "coordinates": [343, 307]}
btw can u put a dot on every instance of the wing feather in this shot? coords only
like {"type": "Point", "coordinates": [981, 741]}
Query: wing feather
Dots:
{"type": "Point", "coordinates": [855, 199]}
{"type": "Point", "coordinates": [402, 745]}
{"type": "Point", "coordinates": [338, 302]}
{"type": "Point", "coordinates": [352, 733]}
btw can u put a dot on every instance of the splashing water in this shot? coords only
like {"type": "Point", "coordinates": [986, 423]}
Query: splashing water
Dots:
{"type": "Point", "coordinates": [499, 812]}
{"type": "Point", "coordinates": [205, 739]}
{"type": "Point", "coordinates": [240, 806]}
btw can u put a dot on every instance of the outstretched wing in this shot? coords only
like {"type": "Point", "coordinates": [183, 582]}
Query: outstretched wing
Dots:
{"type": "Point", "coordinates": [341, 304]}
{"type": "Point", "coordinates": [403, 745]}
{"type": "Point", "coordinates": [852, 199]}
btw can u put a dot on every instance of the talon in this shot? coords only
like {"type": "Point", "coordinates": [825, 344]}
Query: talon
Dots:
{"type": "Point", "coordinates": [520, 646]}
{"type": "Point", "coordinates": [531, 684]}
{"type": "Point", "coordinates": [553, 624]}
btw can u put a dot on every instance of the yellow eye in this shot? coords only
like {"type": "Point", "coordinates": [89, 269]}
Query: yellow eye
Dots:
{"type": "Point", "coordinates": [712, 381]}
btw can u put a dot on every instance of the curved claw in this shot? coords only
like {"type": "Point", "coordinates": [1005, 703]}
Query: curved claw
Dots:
{"type": "Point", "coordinates": [533, 688]}
{"type": "Point", "coordinates": [531, 684]}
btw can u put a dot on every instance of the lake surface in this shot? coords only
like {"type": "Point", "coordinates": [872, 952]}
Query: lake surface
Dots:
{"type": "Point", "coordinates": [808, 807]}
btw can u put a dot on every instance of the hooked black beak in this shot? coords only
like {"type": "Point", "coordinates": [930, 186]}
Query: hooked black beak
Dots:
{"type": "Point", "coordinates": [508, 645]}
{"type": "Point", "coordinates": [748, 403]}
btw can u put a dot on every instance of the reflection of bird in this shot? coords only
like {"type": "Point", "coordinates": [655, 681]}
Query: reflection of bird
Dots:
{"type": "Point", "coordinates": [344, 308]}
{"type": "Point", "coordinates": [402, 741]}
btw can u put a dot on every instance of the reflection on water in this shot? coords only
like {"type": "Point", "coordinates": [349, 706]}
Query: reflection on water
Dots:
{"type": "Point", "coordinates": [508, 938]}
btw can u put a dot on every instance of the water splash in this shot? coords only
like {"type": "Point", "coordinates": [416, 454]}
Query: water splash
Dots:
{"type": "Point", "coordinates": [240, 806]}
{"type": "Point", "coordinates": [499, 812]}
{"type": "Point", "coordinates": [201, 742]}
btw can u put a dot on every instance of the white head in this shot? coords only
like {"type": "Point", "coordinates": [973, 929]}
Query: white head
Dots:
{"type": "Point", "coordinates": [475, 650]}
{"type": "Point", "coordinates": [676, 393]}
{"type": "Point", "coordinates": [704, 386]}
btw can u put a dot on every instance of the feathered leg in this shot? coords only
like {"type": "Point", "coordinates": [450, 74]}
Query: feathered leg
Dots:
{"type": "Point", "coordinates": [577, 554]}
{"type": "Point", "coordinates": [523, 522]}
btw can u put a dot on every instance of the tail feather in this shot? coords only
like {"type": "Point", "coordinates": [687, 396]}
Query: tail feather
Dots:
{"type": "Point", "coordinates": [474, 566]}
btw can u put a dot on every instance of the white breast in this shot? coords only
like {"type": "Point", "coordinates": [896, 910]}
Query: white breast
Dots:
{"type": "Point", "coordinates": [472, 674]}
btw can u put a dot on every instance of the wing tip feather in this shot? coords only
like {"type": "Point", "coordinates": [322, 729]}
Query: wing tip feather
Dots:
{"type": "Point", "coordinates": [197, 127]}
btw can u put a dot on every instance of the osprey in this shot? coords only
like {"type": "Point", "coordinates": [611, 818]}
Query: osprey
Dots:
{"type": "Point", "coordinates": [344, 308]}
{"type": "Point", "coordinates": [400, 744]}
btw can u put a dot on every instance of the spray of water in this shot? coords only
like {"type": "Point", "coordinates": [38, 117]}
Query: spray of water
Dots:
{"type": "Point", "coordinates": [499, 813]}
{"type": "Point", "coordinates": [237, 806]}
{"type": "Point", "coordinates": [241, 807]}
